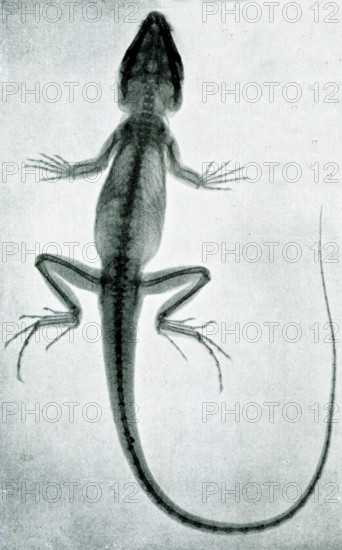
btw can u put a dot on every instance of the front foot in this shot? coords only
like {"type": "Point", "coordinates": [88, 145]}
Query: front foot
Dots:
{"type": "Point", "coordinates": [54, 167]}
{"type": "Point", "coordinates": [69, 319]}
{"type": "Point", "coordinates": [211, 180]}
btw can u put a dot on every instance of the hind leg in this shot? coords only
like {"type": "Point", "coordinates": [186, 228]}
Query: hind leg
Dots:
{"type": "Point", "coordinates": [193, 279]}
{"type": "Point", "coordinates": [57, 272]}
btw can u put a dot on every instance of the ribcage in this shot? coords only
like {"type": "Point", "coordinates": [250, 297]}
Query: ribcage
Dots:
{"type": "Point", "coordinates": [131, 207]}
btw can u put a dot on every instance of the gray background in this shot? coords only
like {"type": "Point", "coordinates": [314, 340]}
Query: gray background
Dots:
{"type": "Point", "coordinates": [182, 451]}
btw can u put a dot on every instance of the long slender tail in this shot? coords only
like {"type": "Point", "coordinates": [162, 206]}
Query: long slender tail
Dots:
{"type": "Point", "coordinates": [122, 393]}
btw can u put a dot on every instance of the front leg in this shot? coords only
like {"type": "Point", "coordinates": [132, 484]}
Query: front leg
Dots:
{"type": "Point", "coordinates": [55, 167]}
{"type": "Point", "coordinates": [209, 180]}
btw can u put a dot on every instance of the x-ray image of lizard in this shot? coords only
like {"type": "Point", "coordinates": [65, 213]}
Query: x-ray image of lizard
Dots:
{"type": "Point", "coordinates": [128, 228]}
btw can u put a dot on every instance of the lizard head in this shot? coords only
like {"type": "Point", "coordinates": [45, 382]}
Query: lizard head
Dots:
{"type": "Point", "coordinates": [152, 60]}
